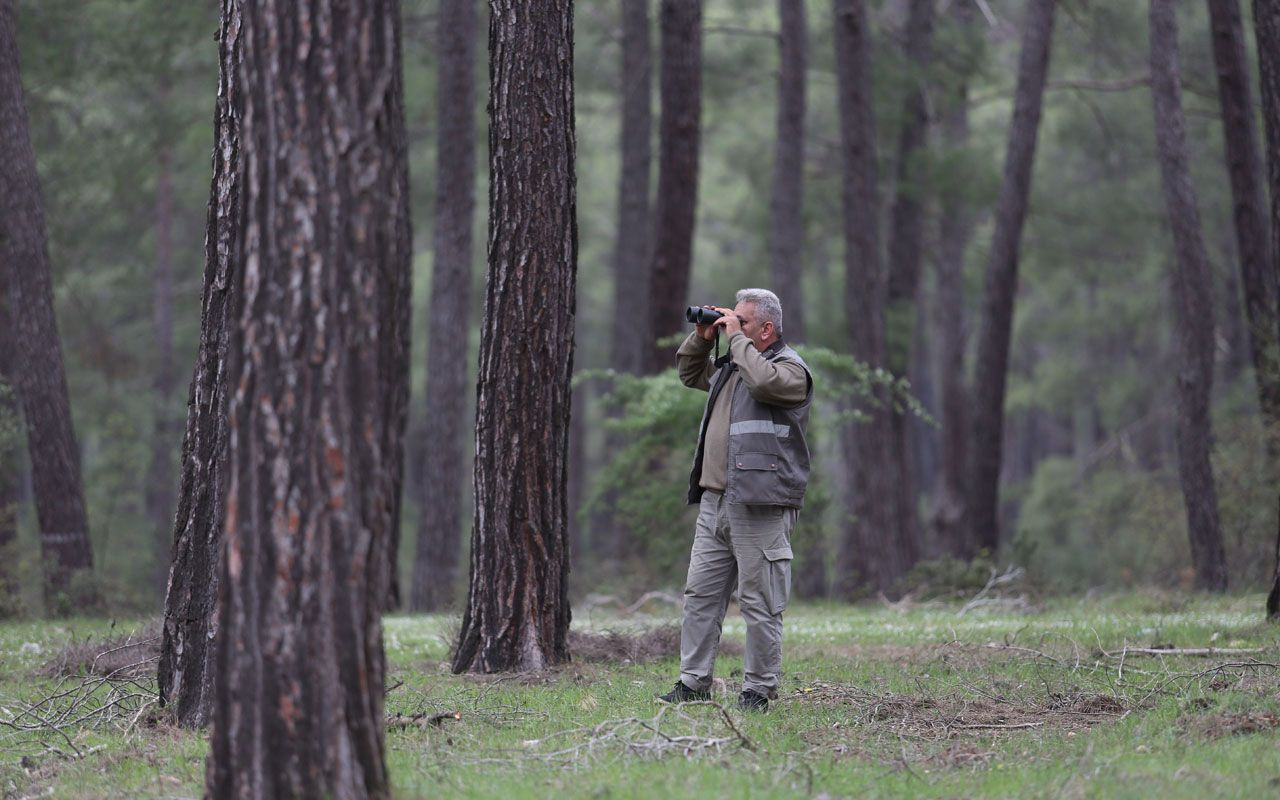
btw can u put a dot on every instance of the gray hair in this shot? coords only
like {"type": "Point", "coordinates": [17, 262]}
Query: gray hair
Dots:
{"type": "Point", "coordinates": [768, 306]}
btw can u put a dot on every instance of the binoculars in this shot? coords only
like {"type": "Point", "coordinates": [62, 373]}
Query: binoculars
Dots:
{"type": "Point", "coordinates": [701, 316]}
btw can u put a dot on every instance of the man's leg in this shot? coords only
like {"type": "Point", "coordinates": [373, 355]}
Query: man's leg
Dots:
{"type": "Point", "coordinates": [712, 573]}
{"type": "Point", "coordinates": [762, 547]}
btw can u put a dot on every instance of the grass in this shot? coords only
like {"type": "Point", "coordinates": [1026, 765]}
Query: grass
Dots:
{"type": "Point", "coordinates": [878, 701]}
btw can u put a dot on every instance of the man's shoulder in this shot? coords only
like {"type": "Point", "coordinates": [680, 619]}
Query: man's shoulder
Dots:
{"type": "Point", "coordinates": [788, 353]}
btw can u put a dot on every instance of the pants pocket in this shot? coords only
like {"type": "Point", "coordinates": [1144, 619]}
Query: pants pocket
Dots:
{"type": "Point", "coordinates": [778, 578]}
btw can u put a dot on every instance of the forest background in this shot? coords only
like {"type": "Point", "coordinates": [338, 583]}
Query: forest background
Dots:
{"type": "Point", "coordinates": [120, 99]}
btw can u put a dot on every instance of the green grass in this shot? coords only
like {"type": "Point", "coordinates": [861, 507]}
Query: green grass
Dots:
{"type": "Point", "coordinates": [912, 701]}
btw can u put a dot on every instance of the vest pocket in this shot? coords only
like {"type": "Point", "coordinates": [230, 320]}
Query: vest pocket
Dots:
{"type": "Point", "coordinates": [778, 579]}
{"type": "Point", "coordinates": [764, 461]}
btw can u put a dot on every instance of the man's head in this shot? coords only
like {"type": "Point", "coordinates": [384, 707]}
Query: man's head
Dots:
{"type": "Point", "coordinates": [761, 314]}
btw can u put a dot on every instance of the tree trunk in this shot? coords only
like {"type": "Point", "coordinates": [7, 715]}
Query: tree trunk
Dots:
{"type": "Point", "coordinates": [160, 500]}
{"type": "Point", "coordinates": [871, 556]}
{"type": "Point", "coordinates": [955, 229]}
{"type": "Point", "coordinates": [38, 368]}
{"type": "Point", "coordinates": [1245, 167]}
{"type": "Point", "coordinates": [1266, 26]}
{"type": "Point", "coordinates": [576, 480]}
{"type": "Point", "coordinates": [1193, 304]}
{"type": "Point", "coordinates": [186, 668]}
{"type": "Point", "coordinates": [786, 223]}
{"type": "Point", "coordinates": [435, 570]}
{"type": "Point", "coordinates": [631, 257]}
{"type": "Point", "coordinates": [517, 615]}
{"type": "Point", "coordinates": [906, 232]}
{"type": "Point", "coordinates": [10, 420]}
{"type": "Point", "coordinates": [680, 84]}
{"type": "Point", "coordinates": [992, 360]}
{"type": "Point", "coordinates": [318, 361]}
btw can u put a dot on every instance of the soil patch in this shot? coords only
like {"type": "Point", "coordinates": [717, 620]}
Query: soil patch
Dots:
{"type": "Point", "coordinates": [1217, 726]}
{"type": "Point", "coordinates": [958, 715]}
{"type": "Point", "coordinates": [960, 755]}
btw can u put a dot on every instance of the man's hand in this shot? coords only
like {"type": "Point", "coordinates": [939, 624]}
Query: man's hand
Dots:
{"type": "Point", "coordinates": [729, 323]}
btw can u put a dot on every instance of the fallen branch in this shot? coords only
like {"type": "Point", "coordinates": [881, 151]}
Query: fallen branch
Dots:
{"type": "Point", "coordinates": [398, 721]}
{"type": "Point", "coordinates": [994, 726]}
{"type": "Point", "coordinates": [1009, 576]}
{"type": "Point", "coordinates": [1184, 651]}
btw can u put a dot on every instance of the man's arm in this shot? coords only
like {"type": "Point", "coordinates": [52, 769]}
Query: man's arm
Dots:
{"type": "Point", "coordinates": [693, 360]}
{"type": "Point", "coordinates": [778, 383]}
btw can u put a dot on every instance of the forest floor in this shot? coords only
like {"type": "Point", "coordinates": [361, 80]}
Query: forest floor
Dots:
{"type": "Point", "coordinates": [1135, 695]}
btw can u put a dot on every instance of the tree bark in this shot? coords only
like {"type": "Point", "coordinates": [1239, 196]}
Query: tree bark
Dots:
{"type": "Point", "coordinates": [10, 420]}
{"type": "Point", "coordinates": [992, 360]}
{"type": "Point", "coordinates": [318, 363]}
{"type": "Point", "coordinates": [435, 571]}
{"type": "Point", "coordinates": [955, 229]}
{"type": "Point", "coordinates": [631, 255]}
{"type": "Point", "coordinates": [906, 232]}
{"type": "Point", "coordinates": [186, 668]}
{"type": "Point", "coordinates": [1193, 304]}
{"type": "Point", "coordinates": [1266, 27]}
{"type": "Point", "coordinates": [160, 501]}
{"type": "Point", "coordinates": [631, 265]}
{"type": "Point", "coordinates": [680, 84]}
{"type": "Point", "coordinates": [38, 366]}
{"type": "Point", "coordinates": [871, 556]}
{"type": "Point", "coordinates": [1258, 272]}
{"type": "Point", "coordinates": [786, 221]}
{"type": "Point", "coordinates": [517, 615]}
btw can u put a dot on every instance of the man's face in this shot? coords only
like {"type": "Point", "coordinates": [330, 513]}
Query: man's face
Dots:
{"type": "Point", "coordinates": [760, 333]}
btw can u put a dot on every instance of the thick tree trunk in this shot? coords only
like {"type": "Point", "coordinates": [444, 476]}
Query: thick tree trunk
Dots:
{"type": "Point", "coordinates": [680, 84]}
{"type": "Point", "coordinates": [955, 229]}
{"type": "Point", "coordinates": [318, 361]}
{"type": "Point", "coordinates": [160, 499]}
{"type": "Point", "coordinates": [906, 233]}
{"type": "Point", "coordinates": [186, 668]}
{"type": "Point", "coordinates": [1258, 272]}
{"type": "Point", "coordinates": [38, 366]}
{"type": "Point", "coordinates": [435, 570]}
{"type": "Point", "coordinates": [1266, 26]}
{"type": "Point", "coordinates": [517, 615]}
{"type": "Point", "coordinates": [1193, 304]}
{"type": "Point", "coordinates": [871, 556]}
{"type": "Point", "coordinates": [992, 361]}
{"type": "Point", "coordinates": [786, 222]}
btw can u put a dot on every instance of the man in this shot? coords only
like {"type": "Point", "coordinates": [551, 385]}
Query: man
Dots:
{"type": "Point", "coordinates": [749, 475]}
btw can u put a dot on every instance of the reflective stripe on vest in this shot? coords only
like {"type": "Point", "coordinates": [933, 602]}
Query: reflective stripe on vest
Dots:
{"type": "Point", "coordinates": [759, 426]}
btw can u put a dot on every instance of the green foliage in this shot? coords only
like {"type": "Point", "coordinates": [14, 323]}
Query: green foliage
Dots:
{"type": "Point", "coordinates": [1108, 527]}
{"type": "Point", "coordinates": [1116, 524]}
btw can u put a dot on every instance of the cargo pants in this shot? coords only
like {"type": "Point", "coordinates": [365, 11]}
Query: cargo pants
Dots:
{"type": "Point", "coordinates": [741, 547]}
